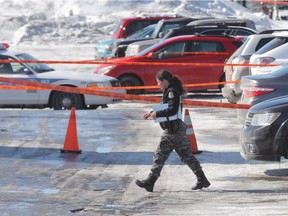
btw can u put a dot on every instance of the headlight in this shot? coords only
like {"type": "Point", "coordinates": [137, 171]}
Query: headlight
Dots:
{"type": "Point", "coordinates": [264, 119]}
{"type": "Point", "coordinates": [105, 70]}
{"type": "Point", "coordinates": [98, 85]}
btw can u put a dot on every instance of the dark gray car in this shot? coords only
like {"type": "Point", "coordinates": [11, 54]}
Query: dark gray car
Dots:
{"type": "Point", "coordinates": [264, 135]}
{"type": "Point", "coordinates": [259, 88]}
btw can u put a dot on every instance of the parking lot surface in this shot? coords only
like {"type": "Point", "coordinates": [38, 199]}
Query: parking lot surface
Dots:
{"type": "Point", "coordinates": [117, 148]}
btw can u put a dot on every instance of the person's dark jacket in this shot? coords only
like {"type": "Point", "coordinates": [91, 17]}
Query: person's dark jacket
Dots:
{"type": "Point", "coordinates": [170, 96]}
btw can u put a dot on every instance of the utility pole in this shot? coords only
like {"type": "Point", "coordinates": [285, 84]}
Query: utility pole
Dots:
{"type": "Point", "coordinates": [275, 11]}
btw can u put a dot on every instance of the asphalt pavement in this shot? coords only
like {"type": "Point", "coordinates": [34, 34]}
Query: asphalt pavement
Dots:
{"type": "Point", "coordinates": [117, 148]}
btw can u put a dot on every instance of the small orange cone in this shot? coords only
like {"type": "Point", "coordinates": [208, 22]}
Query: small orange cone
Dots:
{"type": "Point", "coordinates": [71, 140]}
{"type": "Point", "coordinates": [190, 132]}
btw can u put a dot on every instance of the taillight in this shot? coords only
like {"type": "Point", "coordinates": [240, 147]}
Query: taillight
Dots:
{"type": "Point", "coordinates": [256, 91]}
{"type": "Point", "coordinates": [264, 60]}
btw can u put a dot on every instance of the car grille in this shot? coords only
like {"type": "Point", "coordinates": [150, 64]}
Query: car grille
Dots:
{"type": "Point", "coordinates": [115, 83]}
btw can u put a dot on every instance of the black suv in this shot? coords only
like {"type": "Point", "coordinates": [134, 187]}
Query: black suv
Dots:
{"type": "Point", "coordinates": [264, 135]}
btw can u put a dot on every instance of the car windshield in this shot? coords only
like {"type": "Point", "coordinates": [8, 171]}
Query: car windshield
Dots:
{"type": "Point", "coordinates": [164, 28]}
{"type": "Point", "coordinates": [146, 51]}
{"type": "Point", "coordinates": [143, 33]}
{"type": "Point", "coordinates": [38, 67]}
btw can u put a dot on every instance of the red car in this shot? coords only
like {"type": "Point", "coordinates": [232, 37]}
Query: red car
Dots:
{"type": "Point", "coordinates": [129, 25]}
{"type": "Point", "coordinates": [140, 70]}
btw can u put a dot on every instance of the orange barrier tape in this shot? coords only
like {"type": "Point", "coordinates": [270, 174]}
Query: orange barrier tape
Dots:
{"type": "Point", "coordinates": [20, 87]}
{"type": "Point", "coordinates": [270, 2]}
{"type": "Point", "coordinates": [215, 104]}
{"type": "Point", "coordinates": [134, 63]}
{"type": "Point", "coordinates": [117, 95]}
{"type": "Point", "coordinates": [118, 88]}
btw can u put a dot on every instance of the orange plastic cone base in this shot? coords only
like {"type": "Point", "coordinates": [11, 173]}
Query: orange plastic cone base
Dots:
{"type": "Point", "coordinates": [191, 135]}
{"type": "Point", "coordinates": [71, 140]}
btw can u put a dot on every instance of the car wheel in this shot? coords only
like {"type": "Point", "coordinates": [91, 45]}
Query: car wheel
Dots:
{"type": "Point", "coordinates": [66, 100]}
{"type": "Point", "coordinates": [131, 81]}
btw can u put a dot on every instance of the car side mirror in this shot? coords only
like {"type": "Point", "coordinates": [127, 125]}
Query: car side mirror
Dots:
{"type": "Point", "coordinates": [150, 55]}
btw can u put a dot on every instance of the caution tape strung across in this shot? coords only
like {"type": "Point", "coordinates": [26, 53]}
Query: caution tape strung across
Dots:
{"type": "Point", "coordinates": [117, 88]}
{"type": "Point", "coordinates": [134, 63]}
{"type": "Point", "coordinates": [117, 95]}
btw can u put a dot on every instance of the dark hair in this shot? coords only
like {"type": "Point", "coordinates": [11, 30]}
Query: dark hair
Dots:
{"type": "Point", "coordinates": [173, 80]}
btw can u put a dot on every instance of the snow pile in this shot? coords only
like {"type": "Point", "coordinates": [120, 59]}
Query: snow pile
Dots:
{"type": "Point", "coordinates": [87, 21]}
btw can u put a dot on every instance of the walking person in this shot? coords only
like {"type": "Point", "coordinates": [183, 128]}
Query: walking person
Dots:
{"type": "Point", "coordinates": [174, 135]}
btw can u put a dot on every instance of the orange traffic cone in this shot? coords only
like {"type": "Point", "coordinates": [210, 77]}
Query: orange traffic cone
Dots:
{"type": "Point", "coordinates": [190, 132]}
{"type": "Point", "coordinates": [71, 140]}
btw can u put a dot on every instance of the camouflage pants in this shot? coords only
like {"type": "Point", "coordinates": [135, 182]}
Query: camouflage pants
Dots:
{"type": "Point", "coordinates": [179, 142]}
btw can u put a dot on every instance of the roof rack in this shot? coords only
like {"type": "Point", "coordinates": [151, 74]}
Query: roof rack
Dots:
{"type": "Point", "coordinates": [222, 35]}
{"type": "Point", "coordinates": [272, 31]}
{"type": "Point", "coordinates": [159, 15]}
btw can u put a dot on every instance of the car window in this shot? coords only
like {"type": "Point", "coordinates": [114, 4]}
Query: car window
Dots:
{"type": "Point", "coordinates": [272, 44]}
{"type": "Point", "coordinates": [226, 31]}
{"type": "Point", "coordinates": [135, 26]}
{"type": "Point", "coordinates": [207, 46]}
{"type": "Point", "coordinates": [9, 68]}
{"type": "Point", "coordinates": [167, 27]}
{"type": "Point", "coordinates": [262, 42]}
{"type": "Point", "coordinates": [117, 27]}
{"type": "Point", "coordinates": [38, 67]}
{"type": "Point", "coordinates": [146, 51]}
{"type": "Point", "coordinates": [142, 33]}
{"type": "Point", "coordinates": [172, 50]}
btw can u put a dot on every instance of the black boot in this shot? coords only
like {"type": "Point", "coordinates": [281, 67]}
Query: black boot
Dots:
{"type": "Point", "coordinates": [148, 183]}
{"type": "Point", "coordinates": [202, 181]}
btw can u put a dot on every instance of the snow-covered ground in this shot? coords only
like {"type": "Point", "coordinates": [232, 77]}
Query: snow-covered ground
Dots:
{"type": "Point", "coordinates": [88, 21]}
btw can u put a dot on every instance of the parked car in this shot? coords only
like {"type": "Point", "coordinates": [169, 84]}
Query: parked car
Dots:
{"type": "Point", "coordinates": [274, 53]}
{"type": "Point", "coordinates": [103, 49]}
{"type": "Point", "coordinates": [259, 88]}
{"type": "Point", "coordinates": [264, 135]}
{"type": "Point", "coordinates": [283, 10]}
{"type": "Point", "coordinates": [42, 73]}
{"type": "Point", "coordinates": [230, 21]}
{"type": "Point", "coordinates": [141, 69]}
{"type": "Point", "coordinates": [162, 27]}
{"type": "Point", "coordinates": [128, 25]}
{"type": "Point", "coordinates": [252, 44]}
{"type": "Point", "coordinates": [212, 30]}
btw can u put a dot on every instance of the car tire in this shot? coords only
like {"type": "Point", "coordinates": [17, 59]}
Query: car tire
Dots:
{"type": "Point", "coordinates": [131, 81]}
{"type": "Point", "coordinates": [66, 100]}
